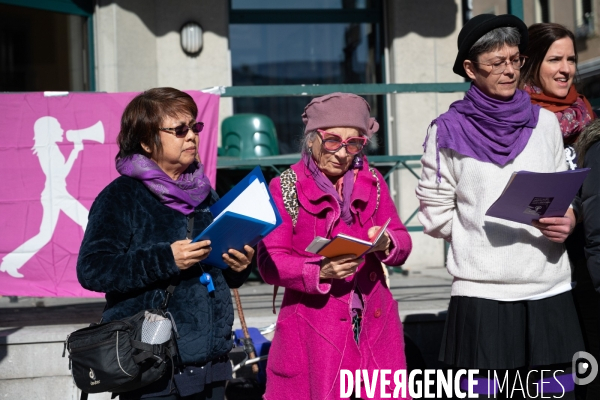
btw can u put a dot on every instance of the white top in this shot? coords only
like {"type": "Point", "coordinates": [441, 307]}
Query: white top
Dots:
{"type": "Point", "coordinates": [489, 257]}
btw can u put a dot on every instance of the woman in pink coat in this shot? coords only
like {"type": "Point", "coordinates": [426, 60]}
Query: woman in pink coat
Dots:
{"type": "Point", "coordinates": [337, 313]}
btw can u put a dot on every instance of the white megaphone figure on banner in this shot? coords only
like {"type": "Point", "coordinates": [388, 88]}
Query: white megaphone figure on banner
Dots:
{"type": "Point", "coordinates": [54, 197]}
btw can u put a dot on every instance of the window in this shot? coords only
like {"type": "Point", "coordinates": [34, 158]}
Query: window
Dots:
{"type": "Point", "coordinates": [328, 42]}
{"type": "Point", "coordinates": [297, 5]}
{"type": "Point", "coordinates": [542, 11]}
{"type": "Point", "coordinates": [42, 50]}
{"type": "Point", "coordinates": [467, 7]}
{"type": "Point", "coordinates": [584, 18]}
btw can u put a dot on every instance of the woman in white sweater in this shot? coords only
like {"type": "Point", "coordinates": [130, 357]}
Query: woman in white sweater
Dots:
{"type": "Point", "coordinates": [511, 307]}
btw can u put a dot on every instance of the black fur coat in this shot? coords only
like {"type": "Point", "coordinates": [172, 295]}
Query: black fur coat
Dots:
{"type": "Point", "coordinates": [126, 253]}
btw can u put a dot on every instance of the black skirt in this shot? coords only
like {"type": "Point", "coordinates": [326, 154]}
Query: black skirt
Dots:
{"type": "Point", "coordinates": [490, 334]}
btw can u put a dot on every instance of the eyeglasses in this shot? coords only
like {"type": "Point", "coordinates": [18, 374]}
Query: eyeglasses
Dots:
{"type": "Point", "coordinates": [334, 142]}
{"type": "Point", "coordinates": [500, 66]}
{"type": "Point", "coordinates": [182, 130]}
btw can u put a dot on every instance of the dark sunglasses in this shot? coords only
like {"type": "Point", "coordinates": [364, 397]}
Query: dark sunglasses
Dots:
{"type": "Point", "coordinates": [182, 130]}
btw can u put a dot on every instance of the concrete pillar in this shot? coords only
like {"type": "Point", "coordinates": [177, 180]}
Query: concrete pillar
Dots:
{"type": "Point", "coordinates": [126, 45]}
{"type": "Point", "coordinates": [212, 67]}
{"type": "Point", "coordinates": [421, 39]}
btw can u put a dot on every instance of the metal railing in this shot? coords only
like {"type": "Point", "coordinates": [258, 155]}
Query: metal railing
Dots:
{"type": "Point", "coordinates": [279, 163]}
{"type": "Point", "coordinates": [357, 88]}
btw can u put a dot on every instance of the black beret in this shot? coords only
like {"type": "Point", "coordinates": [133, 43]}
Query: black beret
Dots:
{"type": "Point", "coordinates": [478, 26]}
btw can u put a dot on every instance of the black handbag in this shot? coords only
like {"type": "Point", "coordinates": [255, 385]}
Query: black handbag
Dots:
{"type": "Point", "coordinates": [111, 356]}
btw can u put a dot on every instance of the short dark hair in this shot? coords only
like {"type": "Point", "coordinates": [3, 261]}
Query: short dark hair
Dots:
{"type": "Point", "coordinates": [143, 116]}
{"type": "Point", "coordinates": [494, 40]}
{"type": "Point", "coordinates": [541, 37]}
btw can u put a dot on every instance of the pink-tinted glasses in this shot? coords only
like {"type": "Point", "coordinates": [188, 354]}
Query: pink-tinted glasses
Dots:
{"type": "Point", "coordinates": [333, 142]}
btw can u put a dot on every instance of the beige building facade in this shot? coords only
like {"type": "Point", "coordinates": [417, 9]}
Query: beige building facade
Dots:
{"type": "Point", "coordinates": [133, 45]}
{"type": "Point", "coordinates": [580, 16]}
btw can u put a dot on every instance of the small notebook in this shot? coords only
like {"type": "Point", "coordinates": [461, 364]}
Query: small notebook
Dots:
{"type": "Point", "coordinates": [344, 244]}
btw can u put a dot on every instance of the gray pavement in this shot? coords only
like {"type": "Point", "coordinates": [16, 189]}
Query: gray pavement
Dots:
{"type": "Point", "coordinates": [422, 292]}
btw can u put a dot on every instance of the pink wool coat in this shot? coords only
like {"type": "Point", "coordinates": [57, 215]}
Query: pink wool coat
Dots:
{"type": "Point", "coordinates": [314, 338]}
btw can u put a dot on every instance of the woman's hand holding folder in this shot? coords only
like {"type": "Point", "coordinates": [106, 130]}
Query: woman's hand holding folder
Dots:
{"type": "Point", "coordinates": [237, 260]}
{"type": "Point", "coordinates": [556, 229]}
{"type": "Point", "coordinates": [187, 254]}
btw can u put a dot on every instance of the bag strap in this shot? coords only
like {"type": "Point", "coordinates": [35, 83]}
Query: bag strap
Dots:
{"type": "Point", "coordinates": [175, 281]}
{"type": "Point", "coordinates": [378, 186]}
{"type": "Point", "coordinates": [147, 351]}
{"type": "Point", "coordinates": [289, 194]}
{"type": "Point", "coordinates": [169, 292]}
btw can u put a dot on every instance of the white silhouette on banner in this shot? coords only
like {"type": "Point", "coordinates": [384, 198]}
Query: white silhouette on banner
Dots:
{"type": "Point", "coordinates": [54, 197]}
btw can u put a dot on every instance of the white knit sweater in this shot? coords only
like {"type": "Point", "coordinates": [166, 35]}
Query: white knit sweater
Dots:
{"type": "Point", "coordinates": [489, 257]}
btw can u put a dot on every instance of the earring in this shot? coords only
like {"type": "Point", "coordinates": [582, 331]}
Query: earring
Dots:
{"type": "Point", "coordinates": [357, 162]}
{"type": "Point", "coordinates": [310, 150]}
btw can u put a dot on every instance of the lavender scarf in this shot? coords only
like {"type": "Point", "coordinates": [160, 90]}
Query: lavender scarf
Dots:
{"type": "Point", "coordinates": [487, 129]}
{"type": "Point", "coordinates": [326, 186]}
{"type": "Point", "coordinates": [182, 195]}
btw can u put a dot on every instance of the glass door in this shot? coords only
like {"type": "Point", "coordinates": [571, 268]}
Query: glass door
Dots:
{"type": "Point", "coordinates": [328, 42]}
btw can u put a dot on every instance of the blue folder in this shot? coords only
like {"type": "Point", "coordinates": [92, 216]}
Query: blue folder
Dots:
{"type": "Point", "coordinates": [232, 230]}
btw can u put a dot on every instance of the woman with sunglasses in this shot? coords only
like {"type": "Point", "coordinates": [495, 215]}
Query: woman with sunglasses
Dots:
{"type": "Point", "coordinates": [511, 309]}
{"type": "Point", "coordinates": [337, 313]}
{"type": "Point", "coordinates": [137, 243]}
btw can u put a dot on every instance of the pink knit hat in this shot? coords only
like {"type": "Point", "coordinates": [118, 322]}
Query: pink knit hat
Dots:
{"type": "Point", "coordinates": [339, 110]}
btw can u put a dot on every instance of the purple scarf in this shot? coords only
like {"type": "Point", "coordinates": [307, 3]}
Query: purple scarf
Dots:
{"type": "Point", "coordinates": [182, 195]}
{"type": "Point", "coordinates": [486, 129]}
{"type": "Point", "coordinates": [326, 186]}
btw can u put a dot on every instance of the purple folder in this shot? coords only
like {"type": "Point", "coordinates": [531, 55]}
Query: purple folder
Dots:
{"type": "Point", "coordinates": [532, 195]}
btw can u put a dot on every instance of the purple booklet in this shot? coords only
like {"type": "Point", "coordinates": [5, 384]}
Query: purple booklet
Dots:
{"type": "Point", "coordinates": [532, 195]}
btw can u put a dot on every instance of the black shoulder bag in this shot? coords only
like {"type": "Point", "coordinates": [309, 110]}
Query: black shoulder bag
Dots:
{"type": "Point", "coordinates": [113, 357]}
{"type": "Point", "coordinates": [117, 356]}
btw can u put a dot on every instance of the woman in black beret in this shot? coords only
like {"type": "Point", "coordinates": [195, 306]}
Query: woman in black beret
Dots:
{"type": "Point", "coordinates": [511, 313]}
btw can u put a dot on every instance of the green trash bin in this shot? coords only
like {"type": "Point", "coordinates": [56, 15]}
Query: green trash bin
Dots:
{"type": "Point", "coordinates": [249, 136]}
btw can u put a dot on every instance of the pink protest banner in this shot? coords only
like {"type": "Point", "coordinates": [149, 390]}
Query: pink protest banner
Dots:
{"type": "Point", "coordinates": [56, 154]}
